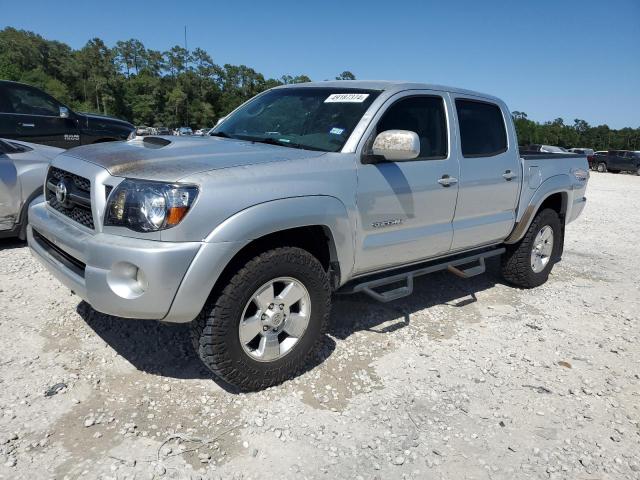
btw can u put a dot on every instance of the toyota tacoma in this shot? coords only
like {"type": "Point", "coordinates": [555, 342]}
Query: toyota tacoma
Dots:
{"type": "Point", "coordinates": [301, 192]}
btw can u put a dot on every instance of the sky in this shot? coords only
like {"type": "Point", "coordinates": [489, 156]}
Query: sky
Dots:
{"type": "Point", "coordinates": [548, 58]}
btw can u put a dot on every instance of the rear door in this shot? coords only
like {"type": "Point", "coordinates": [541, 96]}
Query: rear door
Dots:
{"type": "Point", "coordinates": [37, 118]}
{"type": "Point", "coordinates": [489, 173]}
{"type": "Point", "coordinates": [613, 163]}
{"type": "Point", "coordinates": [629, 162]}
{"type": "Point", "coordinates": [405, 214]}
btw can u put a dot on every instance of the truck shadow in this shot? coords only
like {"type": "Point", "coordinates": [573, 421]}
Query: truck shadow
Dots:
{"type": "Point", "coordinates": [11, 243]}
{"type": "Point", "coordinates": [166, 349]}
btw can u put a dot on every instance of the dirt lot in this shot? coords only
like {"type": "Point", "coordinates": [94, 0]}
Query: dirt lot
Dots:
{"type": "Point", "coordinates": [464, 379]}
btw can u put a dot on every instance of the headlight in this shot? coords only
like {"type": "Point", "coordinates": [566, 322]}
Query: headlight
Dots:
{"type": "Point", "coordinates": [145, 206]}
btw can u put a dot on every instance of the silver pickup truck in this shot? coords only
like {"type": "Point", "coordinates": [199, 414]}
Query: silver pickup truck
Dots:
{"type": "Point", "coordinates": [303, 191]}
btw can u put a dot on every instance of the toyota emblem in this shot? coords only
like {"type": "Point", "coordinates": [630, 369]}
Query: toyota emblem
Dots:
{"type": "Point", "coordinates": [61, 191]}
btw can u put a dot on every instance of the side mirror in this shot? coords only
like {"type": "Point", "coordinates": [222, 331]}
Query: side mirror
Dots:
{"type": "Point", "coordinates": [64, 112]}
{"type": "Point", "coordinates": [397, 145]}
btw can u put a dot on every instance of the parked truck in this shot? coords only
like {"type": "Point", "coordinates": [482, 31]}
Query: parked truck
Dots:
{"type": "Point", "coordinates": [29, 114]}
{"type": "Point", "coordinates": [302, 192]}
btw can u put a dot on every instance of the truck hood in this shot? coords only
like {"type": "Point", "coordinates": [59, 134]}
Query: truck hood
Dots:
{"type": "Point", "coordinates": [97, 118]}
{"type": "Point", "coordinates": [172, 158]}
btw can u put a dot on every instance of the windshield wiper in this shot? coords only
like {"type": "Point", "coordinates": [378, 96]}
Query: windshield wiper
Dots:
{"type": "Point", "coordinates": [220, 134]}
{"type": "Point", "coordinates": [284, 143]}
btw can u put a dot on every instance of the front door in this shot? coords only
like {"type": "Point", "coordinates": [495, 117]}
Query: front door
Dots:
{"type": "Point", "coordinates": [490, 174]}
{"type": "Point", "coordinates": [36, 118]}
{"type": "Point", "coordinates": [405, 214]}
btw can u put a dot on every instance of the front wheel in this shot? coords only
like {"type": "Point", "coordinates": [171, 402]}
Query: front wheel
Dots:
{"type": "Point", "coordinates": [602, 167]}
{"type": "Point", "coordinates": [267, 322]}
{"type": "Point", "coordinates": [528, 263]}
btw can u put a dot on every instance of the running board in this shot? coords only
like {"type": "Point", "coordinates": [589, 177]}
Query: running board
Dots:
{"type": "Point", "coordinates": [407, 277]}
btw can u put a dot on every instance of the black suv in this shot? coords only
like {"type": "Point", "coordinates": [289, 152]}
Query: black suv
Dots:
{"type": "Point", "coordinates": [615, 161]}
{"type": "Point", "coordinates": [31, 115]}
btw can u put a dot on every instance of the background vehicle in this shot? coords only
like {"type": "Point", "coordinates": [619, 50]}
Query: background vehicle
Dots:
{"type": "Point", "coordinates": [143, 130]}
{"type": "Point", "coordinates": [182, 131]}
{"type": "Point", "coordinates": [162, 131]}
{"type": "Point", "coordinates": [584, 151]}
{"type": "Point", "coordinates": [616, 161]}
{"type": "Point", "coordinates": [303, 191]}
{"type": "Point", "coordinates": [29, 114]}
{"type": "Point", "coordinates": [547, 149]}
{"type": "Point", "coordinates": [23, 167]}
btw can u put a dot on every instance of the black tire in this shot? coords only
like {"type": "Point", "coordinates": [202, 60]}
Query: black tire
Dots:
{"type": "Point", "coordinates": [516, 262]}
{"type": "Point", "coordinates": [602, 167]}
{"type": "Point", "coordinates": [215, 331]}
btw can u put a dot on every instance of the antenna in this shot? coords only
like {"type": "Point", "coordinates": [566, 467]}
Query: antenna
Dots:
{"type": "Point", "coordinates": [186, 66]}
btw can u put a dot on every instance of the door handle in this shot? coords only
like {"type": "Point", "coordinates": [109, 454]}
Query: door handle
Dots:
{"type": "Point", "coordinates": [509, 175]}
{"type": "Point", "coordinates": [447, 181]}
{"type": "Point", "coordinates": [30, 125]}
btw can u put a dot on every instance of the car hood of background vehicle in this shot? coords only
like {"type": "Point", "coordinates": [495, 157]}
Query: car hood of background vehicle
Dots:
{"type": "Point", "coordinates": [105, 119]}
{"type": "Point", "coordinates": [172, 158]}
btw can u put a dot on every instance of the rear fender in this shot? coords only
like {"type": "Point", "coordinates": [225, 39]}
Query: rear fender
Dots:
{"type": "Point", "coordinates": [556, 184]}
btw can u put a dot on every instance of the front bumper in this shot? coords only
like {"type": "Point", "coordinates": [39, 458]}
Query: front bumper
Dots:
{"type": "Point", "coordinates": [120, 276]}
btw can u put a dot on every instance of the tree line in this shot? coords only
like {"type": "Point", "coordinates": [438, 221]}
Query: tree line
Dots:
{"type": "Point", "coordinates": [578, 134]}
{"type": "Point", "coordinates": [178, 87]}
{"type": "Point", "coordinates": [181, 87]}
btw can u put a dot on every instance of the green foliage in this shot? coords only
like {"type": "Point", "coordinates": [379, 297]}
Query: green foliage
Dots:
{"type": "Point", "coordinates": [147, 87]}
{"type": "Point", "coordinates": [580, 134]}
{"type": "Point", "coordinates": [346, 75]}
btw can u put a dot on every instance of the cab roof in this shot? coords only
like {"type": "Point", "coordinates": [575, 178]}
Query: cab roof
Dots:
{"type": "Point", "coordinates": [386, 85]}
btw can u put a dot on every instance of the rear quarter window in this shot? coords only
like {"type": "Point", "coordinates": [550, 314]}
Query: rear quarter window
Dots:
{"type": "Point", "coordinates": [482, 128]}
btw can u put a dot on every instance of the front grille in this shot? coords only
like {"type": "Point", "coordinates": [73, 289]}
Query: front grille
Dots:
{"type": "Point", "coordinates": [77, 203]}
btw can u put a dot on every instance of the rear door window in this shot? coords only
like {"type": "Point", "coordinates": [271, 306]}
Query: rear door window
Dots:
{"type": "Point", "coordinates": [482, 128]}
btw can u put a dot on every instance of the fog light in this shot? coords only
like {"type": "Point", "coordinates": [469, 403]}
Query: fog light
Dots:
{"type": "Point", "coordinates": [127, 280]}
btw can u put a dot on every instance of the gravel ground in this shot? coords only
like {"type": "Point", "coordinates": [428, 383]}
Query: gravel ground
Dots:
{"type": "Point", "coordinates": [464, 379]}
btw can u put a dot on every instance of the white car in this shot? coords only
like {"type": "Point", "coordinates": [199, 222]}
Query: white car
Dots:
{"type": "Point", "coordinates": [23, 167]}
{"type": "Point", "coordinates": [583, 151]}
{"type": "Point", "coordinates": [182, 131]}
{"type": "Point", "coordinates": [553, 149]}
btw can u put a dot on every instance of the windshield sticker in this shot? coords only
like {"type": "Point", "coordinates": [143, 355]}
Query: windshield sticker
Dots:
{"type": "Point", "coordinates": [346, 98]}
{"type": "Point", "coordinates": [336, 131]}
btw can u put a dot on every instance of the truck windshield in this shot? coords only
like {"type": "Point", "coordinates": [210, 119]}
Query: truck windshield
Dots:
{"type": "Point", "coordinates": [309, 118]}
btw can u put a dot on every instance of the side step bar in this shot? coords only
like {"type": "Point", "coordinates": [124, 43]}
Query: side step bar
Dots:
{"type": "Point", "coordinates": [407, 277]}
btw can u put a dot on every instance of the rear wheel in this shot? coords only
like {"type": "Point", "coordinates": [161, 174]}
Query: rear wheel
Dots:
{"type": "Point", "coordinates": [602, 167]}
{"type": "Point", "coordinates": [528, 263]}
{"type": "Point", "coordinates": [268, 321]}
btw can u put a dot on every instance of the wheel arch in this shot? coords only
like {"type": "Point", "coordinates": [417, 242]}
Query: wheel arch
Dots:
{"type": "Point", "coordinates": [319, 224]}
{"type": "Point", "coordinates": [552, 193]}
{"type": "Point", "coordinates": [309, 221]}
